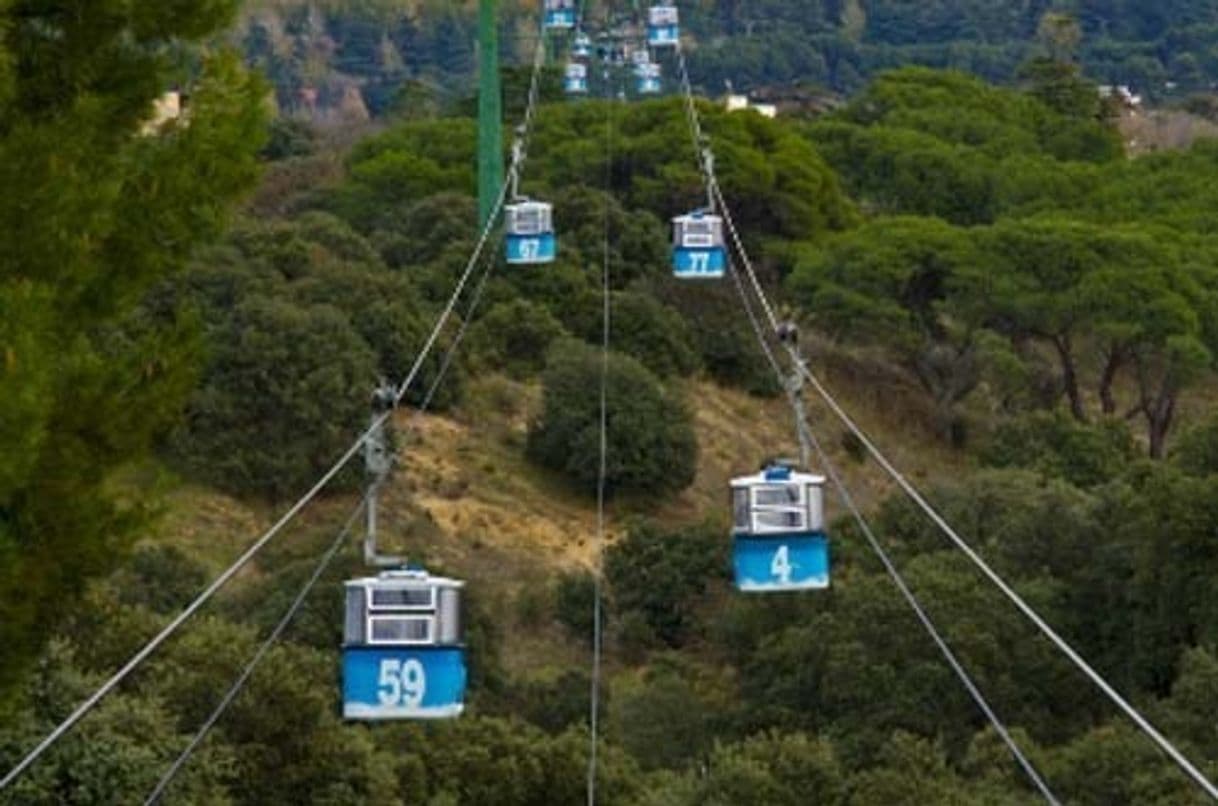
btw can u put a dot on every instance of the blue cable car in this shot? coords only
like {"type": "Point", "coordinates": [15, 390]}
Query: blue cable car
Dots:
{"type": "Point", "coordinates": [778, 531]}
{"type": "Point", "coordinates": [403, 656]}
{"type": "Point", "coordinates": [559, 15]}
{"type": "Point", "coordinates": [575, 79]}
{"type": "Point", "coordinates": [663, 26]}
{"type": "Point", "coordinates": [698, 247]}
{"type": "Point", "coordinates": [530, 232]}
{"type": "Point", "coordinates": [647, 78]}
{"type": "Point", "coordinates": [582, 47]}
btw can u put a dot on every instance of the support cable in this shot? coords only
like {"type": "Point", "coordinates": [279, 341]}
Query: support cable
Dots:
{"type": "Point", "coordinates": [220, 581]}
{"type": "Point", "coordinates": [1060, 643]}
{"type": "Point", "coordinates": [248, 671]}
{"type": "Point", "coordinates": [449, 356]}
{"type": "Point", "coordinates": [603, 468]}
{"type": "Point", "coordinates": [808, 436]}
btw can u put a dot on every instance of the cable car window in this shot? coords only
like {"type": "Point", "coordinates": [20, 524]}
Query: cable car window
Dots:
{"type": "Point", "coordinates": [400, 629]}
{"type": "Point", "coordinates": [778, 520]}
{"type": "Point", "coordinates": [664, 15]}
{"type": "Point", "coordinates": [785, 495]}
{"type": "Point", "coordinates": [403, 599]}
{"type": "Point", "coordinates": [740, 508]}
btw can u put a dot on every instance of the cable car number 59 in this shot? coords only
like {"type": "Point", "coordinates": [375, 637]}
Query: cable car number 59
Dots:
{"type": "Point", "coordinates": [401, 682]}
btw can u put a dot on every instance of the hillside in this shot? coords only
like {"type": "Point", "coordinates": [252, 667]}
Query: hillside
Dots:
{"type": "Point", "coordinates": [341, 60]}
{"type": "Point", "coordinates": [1021, 309]}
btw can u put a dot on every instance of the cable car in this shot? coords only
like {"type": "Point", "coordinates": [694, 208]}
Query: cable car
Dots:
{"type": "Point", "coordinates": [575, 80]}
{"type": "Point", "coordinates": [663, 26]}
{"type": "Point", "coordinates": [698, 247]}
{"type": "Point", "coordinates": [778, 531]}
{"type": "Point", "coordinates": [560, 15]}
{"type": "Point", "coordinates": [582, 47]}
{"type": "Point", "coordinates": [647, 78]}
{"type": "Point", "coordinates": [530, 232]}
{"type": "Point", "coordinates": [403, 656]}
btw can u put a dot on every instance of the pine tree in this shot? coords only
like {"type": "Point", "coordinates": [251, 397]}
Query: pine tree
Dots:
{"type": "Point", "coordinates": [96, 206]}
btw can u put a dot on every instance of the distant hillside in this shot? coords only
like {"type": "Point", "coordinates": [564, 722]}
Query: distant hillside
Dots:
{"type": "Point", "coordinates": [351, 59]}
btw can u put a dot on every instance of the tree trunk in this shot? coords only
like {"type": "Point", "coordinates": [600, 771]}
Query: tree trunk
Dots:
{"type": "Point", "coordinates": [1070, 377]}
{"type": "Point", "coordinates": [1107, 400]}
{"type": "Point", "coordinates": [1159, 421]}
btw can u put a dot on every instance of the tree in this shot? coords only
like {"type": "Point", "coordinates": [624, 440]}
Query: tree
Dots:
{"type": "Point", "coordinates": [662, 575]}
{"type": "Point", "coordinates": [283, 395]}
{"type": "Point", "coordinates": [94, 212]}
{"type": "Point", "coordinates": [652, 447]}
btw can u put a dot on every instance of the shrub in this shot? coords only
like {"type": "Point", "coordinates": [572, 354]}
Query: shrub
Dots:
{"type": "Point", "coordinates": [646, 330]}
{"type": "Point", "coordinates": [513, 338]}
{"type": "Point", "coordinates": [1197, 452]}
{"type": "Point", "coordinates": [284, 393]}
{"type": "Point", "coordinates": [1057, 445]}
{"type": "Point", "coordinates": [652, 447]}
{"type": "Point", "coordinates": [661, 575]}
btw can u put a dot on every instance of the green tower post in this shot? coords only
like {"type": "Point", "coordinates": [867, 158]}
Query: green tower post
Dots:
{"type": "Point", "coordinates": [490, 111]}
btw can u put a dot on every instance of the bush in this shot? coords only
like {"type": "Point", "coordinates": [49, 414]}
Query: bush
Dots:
{"type": "Point", "coordinates": [652, 447]}
{"type": "Point", "coordinates": [661, 575]}
{"type": "Point", "coordinates": [513, 338]}
{"type": "Point", "coordinates": [574, 598]}
{"type": "Point", "coordinates": [1057, 445]}
{"type": "Point", "coordinates": [284, 393]}
{"type": "Point", "coordinates": [1197, 452]}
{"type": "Point", "coordinates": [646, 330]}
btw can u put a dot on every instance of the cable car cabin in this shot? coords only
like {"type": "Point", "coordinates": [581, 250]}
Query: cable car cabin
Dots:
{"type": "Point", "coordinates": [663, 26]}
{"type": "Point", "coordinates": [575, 80]}
{"type": "Point", "coordinates": [403, 656]}
{"type": "Point", "coordinates": [698, 248]}
{"type": "Point", "coordinates": [582, 47]}
{"type": "Point", "coordinates": [530, 232]}
{"type": "Point", "coordinates": [647, 79]}
{"type": "Point", "coordinates": [778, 531]}
{"type": "Point", "coordinates": [560, 15]}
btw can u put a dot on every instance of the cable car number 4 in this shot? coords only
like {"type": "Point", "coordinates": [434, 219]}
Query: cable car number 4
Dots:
{"type": "Point", "coordinates": [780, 567]}
{"type": "Point", "coordinates": [402, 682]}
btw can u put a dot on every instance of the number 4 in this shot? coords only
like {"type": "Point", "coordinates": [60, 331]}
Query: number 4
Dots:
{"type": "Point", "coordinates": [781, 566]}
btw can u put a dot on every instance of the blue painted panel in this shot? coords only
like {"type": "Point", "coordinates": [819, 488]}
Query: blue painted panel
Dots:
{"type": "Point", "coordinates": [527, 249]}
{"type": "Point", "coordinates": [563, 18]}
{"type": "Point", "coordinates": [699, 263]}
{"type": "Point", "coordinates": [781, 563]}
{"type": "Point", "coordinates": [576, 86]}
{"type": "Point", "coordinates": [649, 86]}
{"type": "Point", "coordinates": [403, 682]}
{"type": "Point", "coordinates": [662, 35]}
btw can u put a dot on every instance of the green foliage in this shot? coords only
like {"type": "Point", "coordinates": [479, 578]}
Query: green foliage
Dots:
{"type": "Point", "coordinates": [285, 389]}
{"type": "Point", "coordinates": [513, 337]}
{"type": "Point", "coordinates": [662, 575]}
{"type": "Point", "coordinates": [1197, 450]}
{"type": "Point", "coordinates": [652, 448]}
{"type": "Point", "coordinates": [93, 213]}
{"type": "Point", "coordinates": [1057, 446]}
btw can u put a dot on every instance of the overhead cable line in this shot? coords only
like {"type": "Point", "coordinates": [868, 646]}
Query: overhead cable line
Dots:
{"type": "Point", "coordinates": [248, 671]}
{"type": "Point", "coordinates": [399, 394]}
{"type": "Point", "coordinates": [228, 699]}
{"type": "Point", "coordinates": [603, 466]}
{"type": "Point", "coordinates": [1060, 643]}
{"type": "Point", "coordinates": [808, 436]}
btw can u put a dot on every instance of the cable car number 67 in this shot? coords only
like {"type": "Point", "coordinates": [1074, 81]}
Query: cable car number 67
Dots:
{"type": "Point", "coordinates": [402, 682]}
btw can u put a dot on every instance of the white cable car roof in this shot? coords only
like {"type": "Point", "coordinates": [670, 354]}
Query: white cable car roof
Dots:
{"type": "Point", "coordinates": [406, 578]}
{"type": "Point", "coordinates": [777, 474]}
